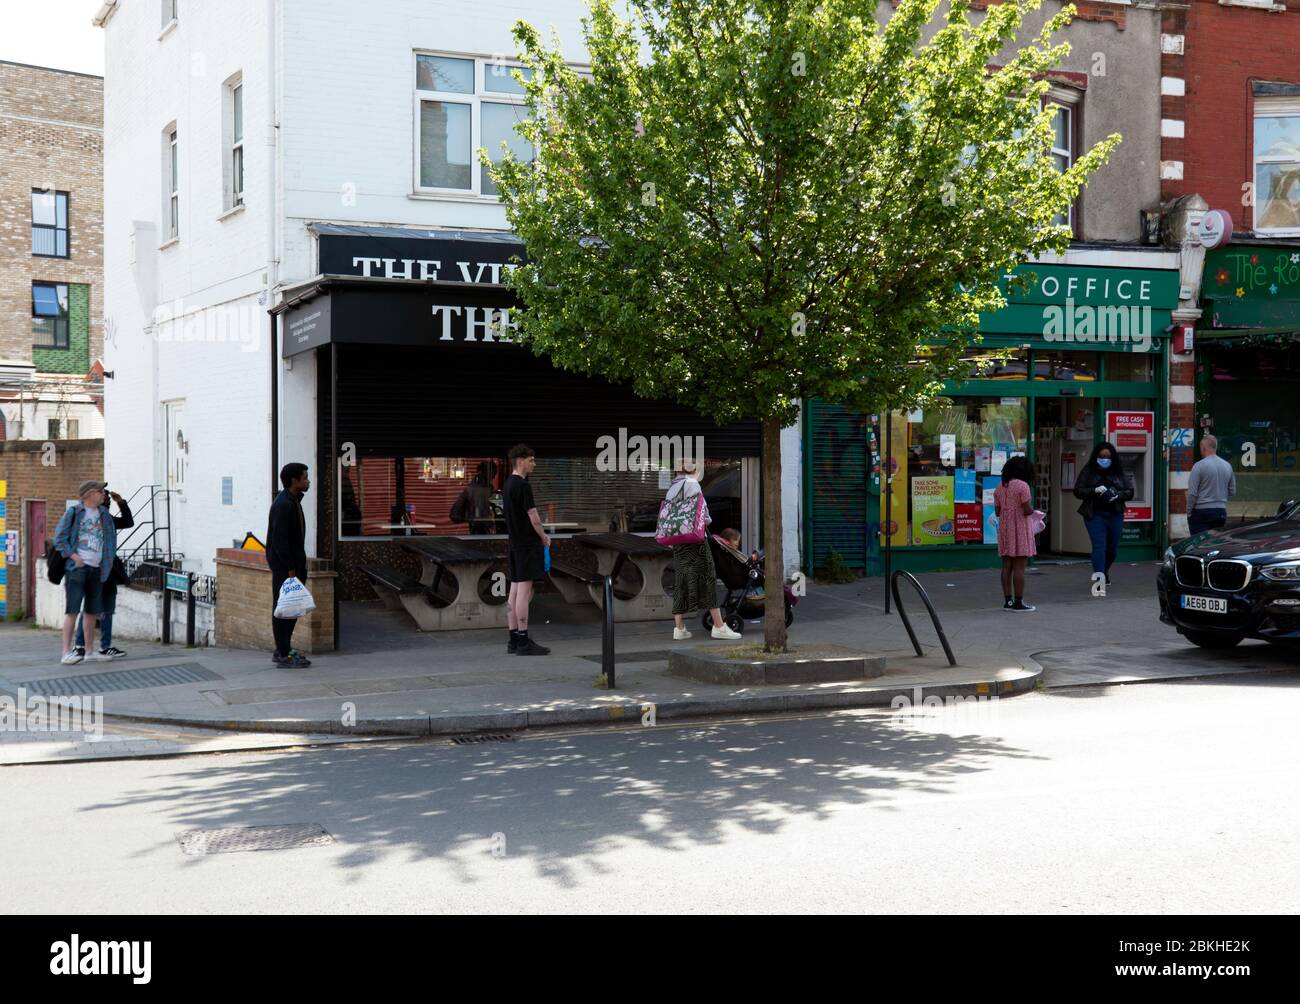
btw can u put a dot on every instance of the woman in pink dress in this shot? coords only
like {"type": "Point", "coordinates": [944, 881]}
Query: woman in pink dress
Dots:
{"type": "Point", "coordinates": [1012, 501]}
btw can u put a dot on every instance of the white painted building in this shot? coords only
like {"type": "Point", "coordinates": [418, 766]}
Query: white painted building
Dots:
{"type": "Point", "coordinates": [322, 108]}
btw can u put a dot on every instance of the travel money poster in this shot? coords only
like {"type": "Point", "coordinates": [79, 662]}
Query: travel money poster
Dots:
{"type": "Point", "coordinates": [932, 511]}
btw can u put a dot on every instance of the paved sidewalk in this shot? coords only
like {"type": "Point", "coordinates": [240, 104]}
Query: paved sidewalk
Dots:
{"type": "Point", "coordinates": [390, 679]}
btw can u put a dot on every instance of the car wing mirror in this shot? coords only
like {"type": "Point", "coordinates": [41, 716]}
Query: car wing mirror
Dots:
{"type": "Point", "coordinates": [1287, 506]}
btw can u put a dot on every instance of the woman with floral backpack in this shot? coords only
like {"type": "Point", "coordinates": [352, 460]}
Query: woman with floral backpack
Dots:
{"type": "Point", "coordinates": [683, 524]}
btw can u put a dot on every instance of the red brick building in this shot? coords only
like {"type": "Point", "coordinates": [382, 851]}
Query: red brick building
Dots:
{"type": "Point", "coordinates": [1230, 134]}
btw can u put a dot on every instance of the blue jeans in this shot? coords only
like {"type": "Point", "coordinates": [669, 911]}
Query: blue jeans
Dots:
{"type": "Point", "coordinates": [109, 604]}
{"type": "Point", "coordinates": [1104, 529]}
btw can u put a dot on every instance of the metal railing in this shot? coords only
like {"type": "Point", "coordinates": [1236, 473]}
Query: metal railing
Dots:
{"type": "Point", "coordinates": [898, 602]}
{"type": "Point", "coordinates": [156, 543]}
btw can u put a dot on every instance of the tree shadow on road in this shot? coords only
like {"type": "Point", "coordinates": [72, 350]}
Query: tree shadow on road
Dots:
{"type": "Point", "coordinates": [561, 800]}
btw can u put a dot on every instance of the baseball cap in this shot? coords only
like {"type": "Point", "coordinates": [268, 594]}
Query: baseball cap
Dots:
{"type": "Point", "coordinates": [90, 486]}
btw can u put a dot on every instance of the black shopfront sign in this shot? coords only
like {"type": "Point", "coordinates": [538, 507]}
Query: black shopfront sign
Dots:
{"type": "Point", "coordinates": [483, 261]}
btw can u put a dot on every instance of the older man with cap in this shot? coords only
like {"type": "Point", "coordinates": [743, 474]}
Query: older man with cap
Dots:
{"type": "Point", "coordinates": [87, 537]}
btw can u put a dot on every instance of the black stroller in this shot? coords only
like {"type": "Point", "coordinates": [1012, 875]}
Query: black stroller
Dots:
{"type": "Point", "coordinates": [745, 582]}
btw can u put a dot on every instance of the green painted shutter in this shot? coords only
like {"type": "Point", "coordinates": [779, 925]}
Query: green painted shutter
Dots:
{"type": "Point", "coordinates": [845, 505]}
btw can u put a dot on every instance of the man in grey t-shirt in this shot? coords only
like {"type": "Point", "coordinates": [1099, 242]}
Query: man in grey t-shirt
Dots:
{"type": "Point", "coordinates": [1208, 489]}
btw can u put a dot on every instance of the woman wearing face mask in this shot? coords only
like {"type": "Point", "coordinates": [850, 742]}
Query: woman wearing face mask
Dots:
{"type": "Point", "coordinates": [1104, 490]}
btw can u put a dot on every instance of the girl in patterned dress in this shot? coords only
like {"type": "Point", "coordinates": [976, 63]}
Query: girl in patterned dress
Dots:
{"type": "Point", "coordinates": [1012, 501]}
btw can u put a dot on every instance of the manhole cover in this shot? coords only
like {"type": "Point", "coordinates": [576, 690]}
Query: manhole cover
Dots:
{"type": "Point", "coordinates": [468, 740]}
{"type": "Point", "coordinates": [126, 679]}
{"type": "Point", "coordinates": [284, 837]}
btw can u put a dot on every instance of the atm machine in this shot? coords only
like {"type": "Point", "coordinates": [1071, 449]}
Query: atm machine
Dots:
{"type": "Point", "coordinates": [1134, 433]}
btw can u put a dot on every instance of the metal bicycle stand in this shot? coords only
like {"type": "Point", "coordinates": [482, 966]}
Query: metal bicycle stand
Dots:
{"type": "Point", "coordinates": [898, 602]}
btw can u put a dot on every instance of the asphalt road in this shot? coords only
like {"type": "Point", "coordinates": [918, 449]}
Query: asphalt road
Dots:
{"type": "Point", "coordinates": [1156, 797]}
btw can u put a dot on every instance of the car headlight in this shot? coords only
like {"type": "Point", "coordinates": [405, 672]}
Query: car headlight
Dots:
{"type": "Point", "coordinates": [1289, 572]}
{"type": "Point", "coordinates": [1169, 557]}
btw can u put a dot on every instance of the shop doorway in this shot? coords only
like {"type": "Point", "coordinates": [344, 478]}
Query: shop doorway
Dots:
{"type": "Point", "coordinates": [33, 548]}
{"type": "Point", "coordinates": [1065, 431]}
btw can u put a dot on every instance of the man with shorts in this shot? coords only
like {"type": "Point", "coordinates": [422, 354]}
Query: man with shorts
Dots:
{"type": "Point", "coordinates": [525, 560]}
{"type": "Point", "coordinates": [87, 537]}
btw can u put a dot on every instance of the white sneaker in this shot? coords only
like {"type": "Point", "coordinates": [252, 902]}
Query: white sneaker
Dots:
{"type": "Point", "coordinates": [680, 634]}
{"type": "Point", "coordinates": [724, 633]}
{"type": "Point", "coordinates": [71, 658]}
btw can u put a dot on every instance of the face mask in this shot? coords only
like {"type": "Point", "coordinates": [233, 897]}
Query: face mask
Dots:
{"type": "Point", "coordinates": [1103, 462]}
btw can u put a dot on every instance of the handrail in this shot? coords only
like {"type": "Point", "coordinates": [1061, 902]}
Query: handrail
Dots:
{"type": "Point", "coordinates": [943, 638]}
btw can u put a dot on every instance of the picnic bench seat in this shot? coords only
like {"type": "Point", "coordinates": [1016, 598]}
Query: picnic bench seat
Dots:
{"type": "Point", "coordinates": [391, 585]}
{"type": "Point", "coordinates": [572, 580]}
{"type": "Point", "coordinates": [442, 606]}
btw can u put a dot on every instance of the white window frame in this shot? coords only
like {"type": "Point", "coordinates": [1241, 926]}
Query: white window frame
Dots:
{"type": "Point", "coordinates": [169, 14]}
{"type": "Point", "coordinates": [1269, 107]}
{"type": "Point", "coordinates": [1068, 102]}
{"type": "Point", "coordinates": [172, 183]}
{"type": "Point", "coordinates": [234, 167]}
{"type": "Point", "coordinates": [475, 101]}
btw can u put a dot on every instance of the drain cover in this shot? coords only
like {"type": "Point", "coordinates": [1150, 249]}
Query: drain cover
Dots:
{"type": "Point", "coordinates": [467, 740]}
{"type": "Point", "coordinates": [254, 838]}
{"type": "Point", "coordinates": [126, 679]}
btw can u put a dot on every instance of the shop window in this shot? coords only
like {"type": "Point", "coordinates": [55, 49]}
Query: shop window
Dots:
{"type": "Point", "coordinates": [1133, 367]}
{"type": "Point", "coordinates": [466, 104]}
{"type": "Point", "coordinates": [1073, 366]}
{"type": "Point", "coordinates": [1253, 400]}
{"type": "Point", "coordinates": [49, 223]}
{"type": "Point", "coordinates": [49, 315]}
{"type": "Point", "coordinates": [948, 456]}
{"type": "Point", "coordinates": [1277, 165]}
{"type": "Point", "coordinates": [397, 496]}
{"type": "Point", "coordinates": [985, 363]}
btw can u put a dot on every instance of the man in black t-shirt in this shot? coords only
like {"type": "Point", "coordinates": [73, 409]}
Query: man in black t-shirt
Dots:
{"type": "Point", "coordinates": [525, 560]}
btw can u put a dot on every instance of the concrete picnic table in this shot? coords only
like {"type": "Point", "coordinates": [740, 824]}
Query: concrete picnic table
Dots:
{"type": "Point", "coordinates": [614, 551]}
{"type": "Point", "coordinates": [466, 563]}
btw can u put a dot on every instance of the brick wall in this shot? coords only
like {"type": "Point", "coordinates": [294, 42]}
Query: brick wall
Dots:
{"type": "Point", "coordinates": [243, 611]}
{"type": "Point", "coordinates": [50, 135]}
{"type": "Point", "coordinates": [29, 477]}
{"type": "Point", "coordinates": [1223, 49]}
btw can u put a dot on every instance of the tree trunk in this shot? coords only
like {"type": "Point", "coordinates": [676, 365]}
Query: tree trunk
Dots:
{"type": "Point", "coordinates": [774, 557]}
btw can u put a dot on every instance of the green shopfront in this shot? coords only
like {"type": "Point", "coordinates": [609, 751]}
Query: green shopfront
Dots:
{"type": "Point", "coordinates": [1074, 344]}
{"type": "Point", "coordinates": [1247, 348]}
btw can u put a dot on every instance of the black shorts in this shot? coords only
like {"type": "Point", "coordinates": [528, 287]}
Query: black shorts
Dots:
{"type": "Point", "coordinates": [525, 564]}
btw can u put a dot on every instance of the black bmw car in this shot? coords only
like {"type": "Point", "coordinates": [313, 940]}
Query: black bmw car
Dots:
{"type": "Point", "coordinates": [1221, 586]}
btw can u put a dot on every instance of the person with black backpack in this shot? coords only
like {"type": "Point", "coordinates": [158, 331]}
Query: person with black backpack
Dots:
{"type": "Point", "coordinates": [116, 576]}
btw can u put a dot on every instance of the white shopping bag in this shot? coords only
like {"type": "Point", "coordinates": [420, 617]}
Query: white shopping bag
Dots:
{"type": "Point", "coordinates": [295, 601]}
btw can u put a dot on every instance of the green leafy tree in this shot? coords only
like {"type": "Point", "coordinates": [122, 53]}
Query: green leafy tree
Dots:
{"type": "Point", "coordinates": [751, 202]}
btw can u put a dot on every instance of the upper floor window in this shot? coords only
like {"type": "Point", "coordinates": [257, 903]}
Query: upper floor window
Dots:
{"type": "Point", "coordinates": [234, 133]}
{"type": "Point", "coordinates": [49, 223]}
{"type": "Point", "coordinates": [168, 12]}
{"type": "Point", "coordinates": [1064, 130]}
{"type": "Point", "coordinates": [172, 191]}
{"type": "Point", "coordinates": [1277, 165]}
{"type": "Point", "coordinates": [462, 104]}
{"type": "Point", "coordinates": [49, 315]}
